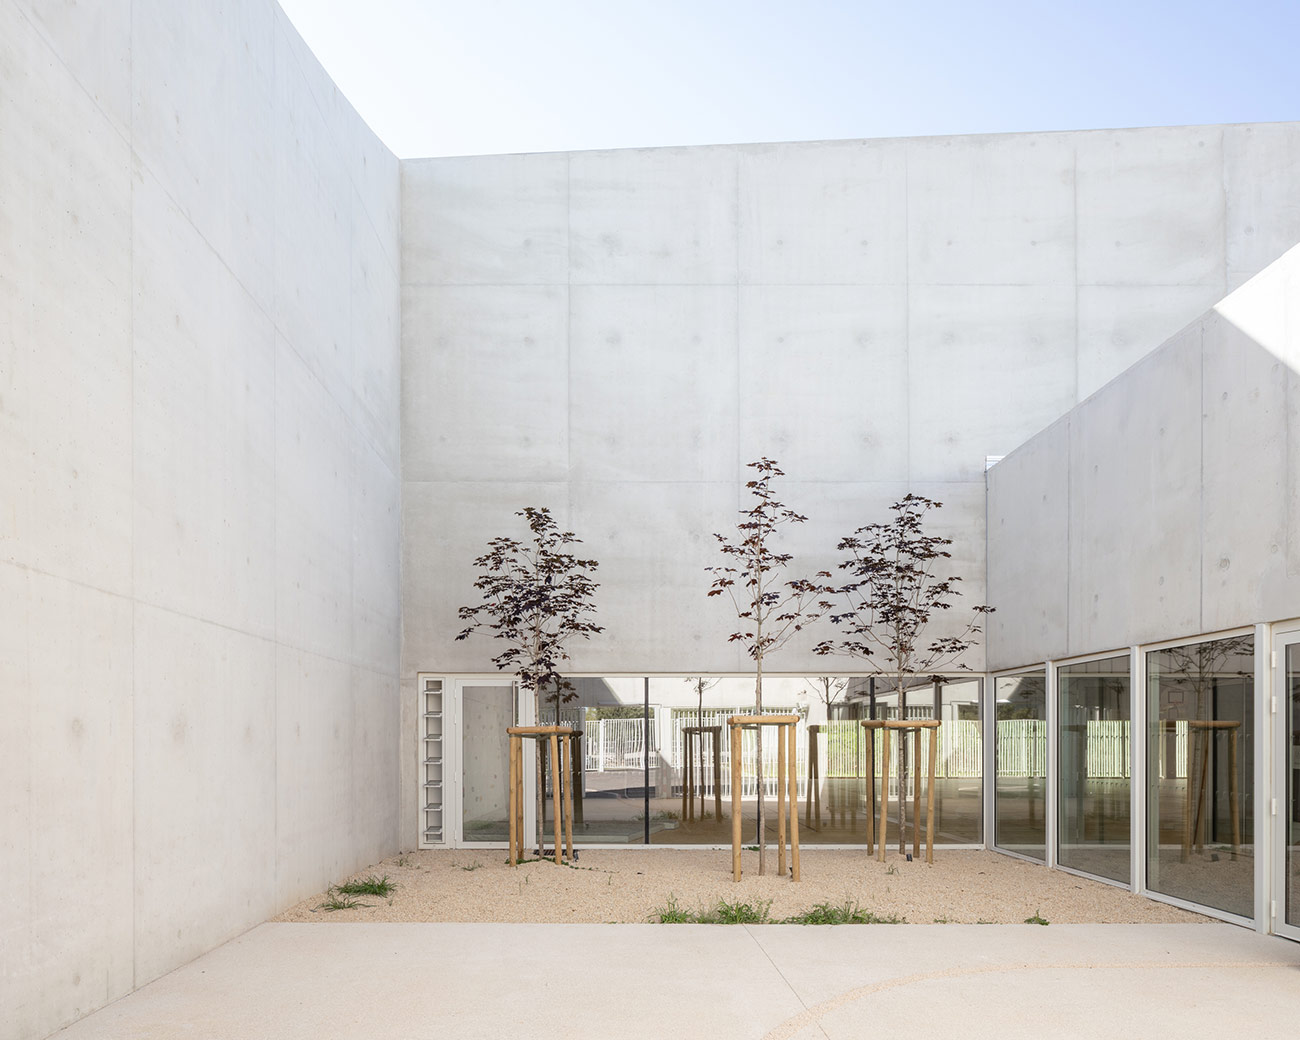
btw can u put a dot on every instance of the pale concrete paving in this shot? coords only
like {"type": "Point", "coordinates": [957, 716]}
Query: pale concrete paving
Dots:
{"type": "Point", "coordinates": [771, 982]}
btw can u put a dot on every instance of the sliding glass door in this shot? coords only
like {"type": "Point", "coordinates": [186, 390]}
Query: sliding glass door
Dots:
{"type": "Point", "coordinates": [1094, 754]}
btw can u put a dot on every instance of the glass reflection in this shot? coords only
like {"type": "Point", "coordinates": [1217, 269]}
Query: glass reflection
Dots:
{"type": "Point", "coordinates": [608, 764]}
{"type": "Point", "coordinates": [691, 775]}
{"type": "Point", "coordinates": [1292, 829]}
{"type": "Point", "coordinates": [1094, 768]}
{"type": "Point", "coordinates": [1200, 769]}
{"type": "Point", "coordinates": [1020, 787]}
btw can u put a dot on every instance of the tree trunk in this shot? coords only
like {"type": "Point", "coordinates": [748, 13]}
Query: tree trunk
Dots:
{"type": "Point", "coordinates": [541, 778]}
{"type": "Point", "coordinates": [758, 766]}
{"type": "Point", "coordinates": [902, 768]}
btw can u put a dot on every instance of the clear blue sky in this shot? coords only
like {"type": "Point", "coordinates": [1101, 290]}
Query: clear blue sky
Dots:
{"type": "Point", "coordinates": [436, 77]}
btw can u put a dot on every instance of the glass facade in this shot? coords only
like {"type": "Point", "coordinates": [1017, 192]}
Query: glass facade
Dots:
{"type": "Point", "coordinates": [654, 757]}
{"type": "Point", "coordinates": [1200, 773]}
{"type": "Point", "coordinates": [1020, 757]}
{"type": "Point", "coordinates": [652, 764]}
{"type": "Point", "coordinates": [1093, 760]}
{"type": "Point", "coordinates": [1291, 874]}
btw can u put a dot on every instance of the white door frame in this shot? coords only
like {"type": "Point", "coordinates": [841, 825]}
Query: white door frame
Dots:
{"type": "Point", "coordinates": [454, 775]}
{"type": "Point", "coordinates": [1284, 635]}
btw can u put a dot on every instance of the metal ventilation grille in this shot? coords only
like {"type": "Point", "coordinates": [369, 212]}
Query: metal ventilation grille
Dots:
{"type": "Point", "coordinates": [431, 719]}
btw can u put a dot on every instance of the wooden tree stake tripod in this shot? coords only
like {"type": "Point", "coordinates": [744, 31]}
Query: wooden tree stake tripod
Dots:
{"type": "Point", "coordinates": [786, 776]}
{"type": "Point", "coordinates": [559, 737]}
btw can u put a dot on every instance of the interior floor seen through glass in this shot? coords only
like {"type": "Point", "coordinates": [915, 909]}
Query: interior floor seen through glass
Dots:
{"type": "Point", "coordinates": [1200, 773]}
{"type": "Point", "coordinates": [1093, 768]}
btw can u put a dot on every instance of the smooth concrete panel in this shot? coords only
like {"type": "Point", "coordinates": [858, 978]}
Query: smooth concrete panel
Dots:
{"type": "Point", "coordinates": [204, 422]}
{"type": "Point", "coordinates": [485, 385]}
{"type": "Point", "coordinates": [313, 516]}
{"type": "Point", "coordinates": [1120, 324]}
{"type": "Point", "coordinates": [376, 721]}
{"type": "Point", "coordinates": [313, 230]}
{"type": "Point", "coordinates": [314, 721]}
{"type": "Point", "coordinates": [200, 124]}
{"type": "Point", "coordinates": [15, 809]}
{"type": "Point", "coordinates": [65, 421]}
{"type": "Point", "coordinates": [654, 541]}
{"type": "Point", "coordinates": [94, 46]}
{"type": "Point", "coordinates": [652, 383]}
{"type": "Point", "coordinates": [445, 527]}
{"type": "Point", "coordinates": [375, 324]}
{"type": "Point", "coordinates": [1028, 551]}
{"type": "Point", "coordinates": [991, 210]}
{"type": "Point", "coordinates": [1261, 181]}
{"type": "Point", "coordinates": [1135, 469]}
{"type": "Point", "coordinates": [486, 220]}
{"type": "Point", "coordinates": [205, 814]}
{"type": "Point", "coordinates": [828, 213]}
{"type": "Point", "coordinates": [968, 340]}
{"type": "Point", "coordinates": [376, 621]}
{"type": "Point", "coordinates": [71, 951]}
{"type": "Point", "coordinates": [377, 179]}
{"type": "Point", "coordinates": [369, 166]}
{"type": "Point", "coordinates": [408, 755]}
{"type": "Point", "coordinates": [823, 380]}
{"type": "Point", "coordinates": [1244, 471]}
{"type": "Point", "coordinates": [653, 217]}
{"type": "Point", "coordinates": [1251, 360]}
{"type": "Point", "coordinates": [1151, 207]}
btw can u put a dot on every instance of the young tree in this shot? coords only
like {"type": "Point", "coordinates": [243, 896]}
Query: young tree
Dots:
{"type": "Point", "coordinates": [537, 596]}
{"type": "Point", "coordinates": [891, 600]}
{"type": "Point", "coordinates": [771, 610]}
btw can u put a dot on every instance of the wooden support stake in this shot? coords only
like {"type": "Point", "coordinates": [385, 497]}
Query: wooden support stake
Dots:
{"type": "Point", "coordinates": [781, 767]}
{"type": "Point", "coordinates": [929, 797]}
{"type": "Point", "coordinates": [794, 815]}
{"type": "Point", "coordinates": [568, 799]}
{"type": "Point", "coordinates": [514, 796]}
{"type": "Point", "coordinates": [916, 793]}
{"type": "Point", "coordinates": [555, 797]}
{"type": "Point", "coordinates": [884, 793]}
{"type": "Point", "coordinates": [735, 802]}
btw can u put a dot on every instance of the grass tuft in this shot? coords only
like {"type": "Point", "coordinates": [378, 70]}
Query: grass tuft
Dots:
{"type": "Point", "coordinates": [671, 913]}
{"type": "Point", "coordinates": [368, 886]}
{"type": "Point", "coordinates": [848, 912]}
{"type": "Point", "coordinates": [1037, 919]}
{"type": "Point", "coordinates": [760, 912]}
{"type": "Point", "coordinates": [337, 902]}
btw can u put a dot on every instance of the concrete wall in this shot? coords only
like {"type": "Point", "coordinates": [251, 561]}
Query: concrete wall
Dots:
{"type": "Point", "coordinates": [614, 334]}
{"type": "Point", "coordinates": [199, 527]}
{"type": "Point", "coordinates": [1167, 504]}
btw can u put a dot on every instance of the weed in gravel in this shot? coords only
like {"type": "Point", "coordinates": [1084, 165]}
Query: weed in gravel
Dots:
{"type": "Point", "coordinates": [1037, 919]}
{"type": "Point", "coordinates": [336, 902]}
{"type": "Point", "coordinates": [368, 886]}
{"type": "Point", "coordinates": [848, 912]}
{"type": "Point", "coordinates": [671, 913]}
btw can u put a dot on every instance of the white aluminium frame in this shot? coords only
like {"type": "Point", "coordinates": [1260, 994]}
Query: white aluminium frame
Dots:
{"type": "Point", "coordinates": [1277, 819]}
{"type": "Point", "coordinates": [453, 740]}
{"type": "Point", "coordinates": [990, 764]}
{"type": "Point", "coordinates": [1260, 775]}
{"type": "Point", "coordinates": [1054, 738]}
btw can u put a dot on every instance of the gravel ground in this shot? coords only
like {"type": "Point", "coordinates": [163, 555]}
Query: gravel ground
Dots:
{"type": "Point", "coordinates": [620, 886]}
